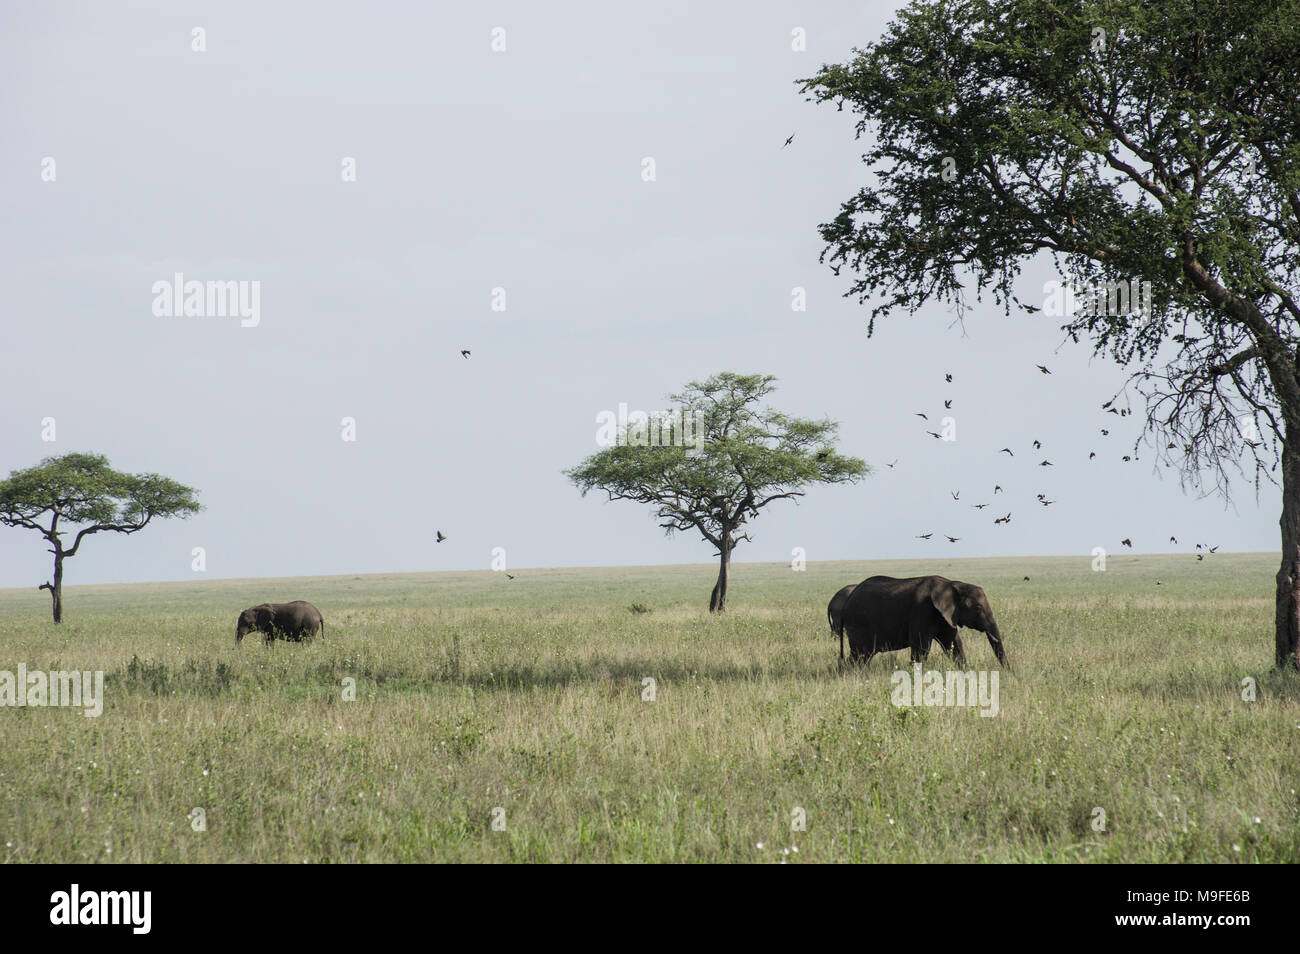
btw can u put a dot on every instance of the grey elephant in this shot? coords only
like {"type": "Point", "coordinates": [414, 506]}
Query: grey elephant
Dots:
{"type": "Point", "coordinates": [884, 614]}
{"type": "Point", "coordinates": [297, 620]}
{"type": "Point", "coordinates": [835, 614]}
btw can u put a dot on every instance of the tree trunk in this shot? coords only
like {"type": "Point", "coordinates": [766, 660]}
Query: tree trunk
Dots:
{"type": "Point", "coordinates": [56, 590]}
{"type": "Point", "coordinates": [1288, 575]}
{"type": "Point", "coordinates": [718, 601]}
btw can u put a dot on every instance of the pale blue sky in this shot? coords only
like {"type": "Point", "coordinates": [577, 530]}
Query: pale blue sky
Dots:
{"type": "Point", "coordinates": [475, 170]}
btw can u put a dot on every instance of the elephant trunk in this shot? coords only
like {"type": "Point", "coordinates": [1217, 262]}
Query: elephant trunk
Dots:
{"type": "Point", "coordinates": [995, 640]}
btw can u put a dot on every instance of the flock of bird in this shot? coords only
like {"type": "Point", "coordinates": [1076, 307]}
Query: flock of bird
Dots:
{"type": "Point", "coordinates": [1202, 549]}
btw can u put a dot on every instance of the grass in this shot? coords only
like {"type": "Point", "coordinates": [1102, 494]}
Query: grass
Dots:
{"type": "Point", "coordinates": [475, 695]}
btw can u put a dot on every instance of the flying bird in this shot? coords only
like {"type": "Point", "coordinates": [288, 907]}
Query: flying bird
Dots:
{"type": "Point", "coordinates": [1104, 432]}
{"type": "Point", "coordinates": [933, 434]}
{"type": "Point", "coordinates": [952, 539]}
{"type": "Point", "coordinates": [925, 536]}
{"type": "Point", "coordinates": [509, 576]}
{"type": "Point", "coordinates": [895, 462]}
{"type": "Point", "coordinates": [1038, 445]}
{"type": "Point", "coordinates": [1043, 368]}
{"type": "Point", "coordinates": [947, 404]}
{"type": "Point", "coordinates": [955, 494]}
{"type": "Point", "coordinates": [464, 354]}
{"type": "Point", "coordinates": [979, 506]}
{"type": "Point", "coordinates": [1026, 579]}
{"type": "Point", "coordinates": [1045, 502]}
{"type": "Point", "coordinates": [440, 537]}
{"type": "Point", "coordinates": [920, 415]}
{"type": "Point", "coordinates": [1006, 519]}
{"type": "Point", "coordinates": [1127, 542]}
{"type": "Point", "coordinates": [1127, 458]}
{"type": "Point", "coordinates": [1215, 549]}
{"type": "Point", "coordinates": [997, 488]}
{"type": "Point", "coordinates": [1173, 539]}
{"type": "Point", "coordinates": [1046, 463]}
{"type": "Point", "coordinates": [948, 378]}
{"type": "Point", "coordinates": [788, 141]}
{"type": "Point", "coordinates": [1092, 455]}
{"type": "Point", "coordinates": [1006, 450]}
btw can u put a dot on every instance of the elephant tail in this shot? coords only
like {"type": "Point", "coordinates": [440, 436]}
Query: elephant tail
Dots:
{"type": "Point", "coordinates": [322, 627]}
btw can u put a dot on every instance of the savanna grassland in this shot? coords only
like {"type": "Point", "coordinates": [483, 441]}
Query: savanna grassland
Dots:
{"type": "Point", "coordinates": [474, 692]}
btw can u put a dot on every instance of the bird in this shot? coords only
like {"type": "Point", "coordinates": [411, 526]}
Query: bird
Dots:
{"type": "Point", "coordinates": [1158, 583]}
{"type": "Point", "coordinates": [1127, 542]}
{"type": "Point", "coordinates": [1200, 556]}
{"type": "Point", "coordinates": [922, 416]}
{"type": "Point", "coordinates": [1104, 432]}
{"type": "Point", "coordinates": [952, 539]}
{"type": "Point", "coordinates": [1173, 539]}
{"type": "Point", "coordinates": [997, 488]}
{"type": "Point", "coordinates": [788, 141]}
{"type": "Point", "coordinates": [823, 454]}
{"type": "Point", "coordinates": [1043, 368]}
{"type": "Point", "coordinates": [1026, 579]}
{"type": "Point", "coordinates": [1006, 450]}
{"type": "Point", "coordinates": [509, 576]}
{"type": "Point", "coordinates": [1041, 496]}
{"type": "Point", "coordinates": [1038, 445]}
{"type": "Point", "coordinates": [1046, 463]}
{"type": "Point", "coordinates": [1006, 519]}
{"type": "Point", "coordinates": [933, 434]}
{"type": "Point", "coordinates": [979, 506]}
{"type": "Point", "coordinates": [1127, 458]}
{"type": "Point", "coordinates": [1199, 546]}
{"type": "Point", "coordinates": [948, 378]}
{"type": "Point", "coordinates": [1045, 502]}
{"type": "Point", "coordinates": [955, 494]}
{"type": "Point", "coordinates": [1112, 411]}
{"type": "Point", "coordinates": [1215, 549]}
{"type": "Point", "coordinates": [947, 404]}
{"type": "Point", "coordinates": [895, 462]}
{"type": "Point", "coordinates": [464, 354]}
{"type": "Point", "coordinates": [925, 536]}
{"type": "Point", "coordinates": [440, 537]}
{"type": "Point", "coordinates": [1092, 455]}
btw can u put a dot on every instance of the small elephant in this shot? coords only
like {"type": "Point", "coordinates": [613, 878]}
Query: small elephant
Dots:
{"type": "Point", "coordinates": [835, 614]}
{"type": "Point", "coordinates": [297, 620]}
{"type": "Point", "coordinates": [884, 614]}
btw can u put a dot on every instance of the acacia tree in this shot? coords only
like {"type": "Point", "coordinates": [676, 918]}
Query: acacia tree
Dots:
{"type": "Point", "coordinates": [81, 489]}
{"type": "Point", "coordinates": [744, 458]}
{"type": "Point", "coordinates": [1130, 142]}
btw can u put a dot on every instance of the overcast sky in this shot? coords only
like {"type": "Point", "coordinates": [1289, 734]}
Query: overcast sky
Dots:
{"type": "Point", "coordinates": [477, 170]}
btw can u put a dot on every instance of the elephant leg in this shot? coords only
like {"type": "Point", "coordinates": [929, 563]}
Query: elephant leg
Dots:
{"type": "Point", "coordinates": [951, 641]}
{"type": "Point", "coordinates": [919, 641]}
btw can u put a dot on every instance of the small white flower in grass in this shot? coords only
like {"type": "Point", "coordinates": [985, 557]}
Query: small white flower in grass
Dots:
{"type": "Point", "coordinates": [205, 771]}
{"type": "Point", "coordinates": [1236, 847]}
{"type": "Point", "coordinates": [759, 845]}
{"type": "Point", "coordinates": [1257, 820]}
{"type": "Point", "coordinates": [795, 849]}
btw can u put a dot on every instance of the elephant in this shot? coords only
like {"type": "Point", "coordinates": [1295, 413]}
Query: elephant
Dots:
{"type": "Point", "coordinates": [297, 620]}
{"type": "Point", "coordinates": [835, 614]}
{"type": "Point", "coordinates": [884, 614]}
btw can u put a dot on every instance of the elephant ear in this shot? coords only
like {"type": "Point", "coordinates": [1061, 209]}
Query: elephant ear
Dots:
{"type": "Point", "coordinates": [264, 617]}
{"type": "Point", "coordinates": [944, 599]}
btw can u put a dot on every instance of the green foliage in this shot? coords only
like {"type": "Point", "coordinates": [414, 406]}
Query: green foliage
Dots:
{"type": "Point", "coordinates": [749, 458]}
{"type": "Point", "coordinates": [82, 489]}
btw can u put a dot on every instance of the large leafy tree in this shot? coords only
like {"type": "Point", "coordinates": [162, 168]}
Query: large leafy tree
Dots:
{"type": "Point", "coordinates": [748, 457]}
{"type": "Point", "coordinates": [1130, 141]}
{"type": "Point", "coordinates": [81, 491]}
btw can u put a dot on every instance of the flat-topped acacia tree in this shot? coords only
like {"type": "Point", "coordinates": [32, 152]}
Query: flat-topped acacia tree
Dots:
{"type": "Point", "coordinates": [743, 459]}
{"type": "Point", "coordinates": [81, 490]}
{"type": "Point", "coordinates": [1130, 142]}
